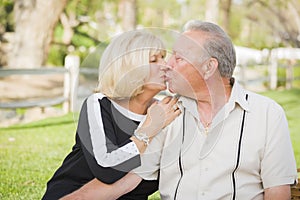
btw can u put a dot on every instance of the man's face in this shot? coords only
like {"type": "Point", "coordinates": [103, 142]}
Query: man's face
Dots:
{"type": "Point", "coordinates": [185, 74]}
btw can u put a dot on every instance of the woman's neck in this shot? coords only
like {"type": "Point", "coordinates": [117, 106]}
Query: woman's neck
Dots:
{"type": "Point", "coordinates": [138, 104]}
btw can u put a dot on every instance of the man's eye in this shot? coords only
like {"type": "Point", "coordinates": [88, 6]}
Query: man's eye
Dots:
{"type": "Point", "coordinates": [178, 58]}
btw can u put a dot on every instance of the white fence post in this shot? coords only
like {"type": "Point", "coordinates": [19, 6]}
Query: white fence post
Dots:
{"type": "Point", "coordinates": [289, 74]}
{"type": "Point", "coordinates": [72, 64]}
{"type": "Point", "coordinates": [273, 72]}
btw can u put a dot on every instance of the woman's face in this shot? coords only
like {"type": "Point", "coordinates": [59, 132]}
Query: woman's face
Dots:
{"type": "Point", "coordinates": [156, 78]}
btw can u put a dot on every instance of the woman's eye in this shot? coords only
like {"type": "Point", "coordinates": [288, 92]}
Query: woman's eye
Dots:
{"type": "Point", "coordinates": [153, 60]}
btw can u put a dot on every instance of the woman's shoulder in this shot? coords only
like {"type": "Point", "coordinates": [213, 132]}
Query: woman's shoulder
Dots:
{"type": "Point", "coordinates": [97, 96]}
{"type": "Point", "coordinates": [94, 99]}
{"type": "Point", "coordinates": [100, 97]}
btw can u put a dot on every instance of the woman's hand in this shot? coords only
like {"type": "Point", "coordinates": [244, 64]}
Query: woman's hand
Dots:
{"type": "Point", "coordinates": [159, 115]}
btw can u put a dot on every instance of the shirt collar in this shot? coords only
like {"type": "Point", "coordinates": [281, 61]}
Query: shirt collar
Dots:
{"type": "Point", "coordinates": [238, 95]}
{"type": "Point", "coordinates": [190, 105]}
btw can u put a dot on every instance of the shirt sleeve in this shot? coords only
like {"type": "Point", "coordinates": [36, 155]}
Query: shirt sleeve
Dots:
{"type": "Point", "coordinates": [278, 166]}
{"type": "Point", "coordinates": [105, 174]}
{"type": "Point", "coordinates": [151, 158]}
{"type": "Point", "coordinates": [99, 140]}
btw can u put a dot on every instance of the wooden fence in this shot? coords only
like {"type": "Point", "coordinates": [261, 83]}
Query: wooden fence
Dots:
{"type": "Point", "coordinates": [267, 62]}
{"type": "Point", "coordinates": [245, 57]}
{"type": "Point", "coordinates": [70, 71]}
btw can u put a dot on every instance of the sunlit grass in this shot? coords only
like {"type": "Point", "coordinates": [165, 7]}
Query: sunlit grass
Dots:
{"type": "Point", "coordinates": [290, 101]}
{"type": "Point", "coordinates": [29, 154]}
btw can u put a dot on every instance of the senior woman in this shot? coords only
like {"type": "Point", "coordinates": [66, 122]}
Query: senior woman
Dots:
{"type": "Point", "coordinates": [118, 121]}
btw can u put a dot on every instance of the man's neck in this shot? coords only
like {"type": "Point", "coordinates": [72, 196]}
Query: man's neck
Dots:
{"type": "Point", "coordinates": [212, 98]}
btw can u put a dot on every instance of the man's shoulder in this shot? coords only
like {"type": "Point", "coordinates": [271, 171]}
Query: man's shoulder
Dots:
{"type": "Point", "coordinates": [262, 101]}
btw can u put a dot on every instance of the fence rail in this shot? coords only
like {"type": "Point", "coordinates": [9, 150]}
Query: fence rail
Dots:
{"type": "Point", "coordinates": [70, 72]}
{"type": "Point", "coordinates": [245, 57]}
{"type": "Point", "coordinates": [38, 71]}
{"type": "Point", "coordinates": [272, 60]}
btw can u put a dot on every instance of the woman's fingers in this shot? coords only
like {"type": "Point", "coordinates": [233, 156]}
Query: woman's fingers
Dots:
{"type": "Point", "coordinates": [173, 103]}
{"type": "Point", "coordinates": [177, 112]}
{"type": "Point", "coordinates": [166, 100]}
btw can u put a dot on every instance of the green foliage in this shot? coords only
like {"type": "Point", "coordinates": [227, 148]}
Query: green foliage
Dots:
{"type": "Point", "coordinates": [80, 39]}
{"type": "Point", "coordinates": [252, 23]}
{"type": "Point", "coordinates": [84, 7]}
{"type": "Point", "coordinates": [56, 55]}
{"type": "Point", "coordinates": [58, 33]}
{"type": "Point", "coordinates": [6, 17]}
{"type": "Point", "coordinates": [92, 60]}
{"type": "Point", "coordinates": [281, 73]}
{"type": "Point", "coordinates": [154, 196]}
{"type": "Point", "coordinates": [296, 83]}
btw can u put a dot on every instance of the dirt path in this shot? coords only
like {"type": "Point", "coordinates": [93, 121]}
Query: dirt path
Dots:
{"type": "Point", "coordinates": [23, 87]}
{"type": "Point", "coordinates": [29, 87]}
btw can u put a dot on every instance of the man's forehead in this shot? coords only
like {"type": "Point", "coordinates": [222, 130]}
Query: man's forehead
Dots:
{"type": "Point", "coordinates": [187, 43]}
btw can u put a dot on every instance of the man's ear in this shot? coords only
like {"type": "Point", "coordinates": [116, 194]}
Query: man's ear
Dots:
{"type": "Point", "coordinates": [210, 68]}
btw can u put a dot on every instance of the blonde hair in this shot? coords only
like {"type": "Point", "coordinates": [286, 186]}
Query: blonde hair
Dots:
{"type": "Point", "coordinates": [124, 64]}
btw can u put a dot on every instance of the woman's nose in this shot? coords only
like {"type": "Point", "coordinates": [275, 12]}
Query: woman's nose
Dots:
{"type": "Point", "coordinates": [163, 61]}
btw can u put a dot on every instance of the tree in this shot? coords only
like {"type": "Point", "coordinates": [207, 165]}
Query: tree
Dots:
{"type": "Point", "coordinates": [280, 18]}
{"type": "Point", "coordinates": [128, 14]}
{"type": "Point", "coordinates": [225, 14]}
{"type": "Point", "coordinates": [212, 10]}
{"type": "Point", "coordinates": [34, 24]}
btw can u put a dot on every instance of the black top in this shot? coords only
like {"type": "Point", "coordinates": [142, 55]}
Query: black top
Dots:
{"type": "Point", "coordinates": [80, 166]}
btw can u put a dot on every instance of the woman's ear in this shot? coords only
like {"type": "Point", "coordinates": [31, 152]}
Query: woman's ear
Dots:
{"type": "Point", "coordinates": [210, 68]}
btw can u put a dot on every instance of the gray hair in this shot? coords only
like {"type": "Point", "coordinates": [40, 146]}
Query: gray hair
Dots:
{"type": "Point", "coordinates": [217, 44]}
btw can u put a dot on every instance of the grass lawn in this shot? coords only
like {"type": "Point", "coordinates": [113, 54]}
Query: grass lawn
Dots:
{"type": "Point", "coordinates": [29, 154]}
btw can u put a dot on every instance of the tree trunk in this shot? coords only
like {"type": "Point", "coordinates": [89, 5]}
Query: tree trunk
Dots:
{"type": "Point", "coordinates": [34, 24]}
{"type": "Point", "coordinates": [68, 24]}
{"type": "Point", "coordinates": [128, 13]}
{"type": "Point", "coordinates": [226, 6]}
{"type": "Point", "coordinates": [212, 11]}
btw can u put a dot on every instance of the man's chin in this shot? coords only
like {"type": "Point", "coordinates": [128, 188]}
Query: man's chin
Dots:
{"type": "Point", "coordinates": [171, 90]}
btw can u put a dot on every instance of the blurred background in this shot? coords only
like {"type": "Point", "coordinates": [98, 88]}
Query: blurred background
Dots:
{"type": "Point", "coordinates": [36, 36]}
{"type": "Point", "coordinates": [50, 51]}
{"type": "Point", "coordinates": [34, 33]}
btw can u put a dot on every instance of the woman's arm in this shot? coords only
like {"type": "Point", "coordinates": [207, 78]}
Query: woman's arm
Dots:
{"type": "Point", "coordinates": [282, 192]}
{"type": "Point", "coordinates": [159, 115]}
{"type": "Point", "coordinates": [96, 190]}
